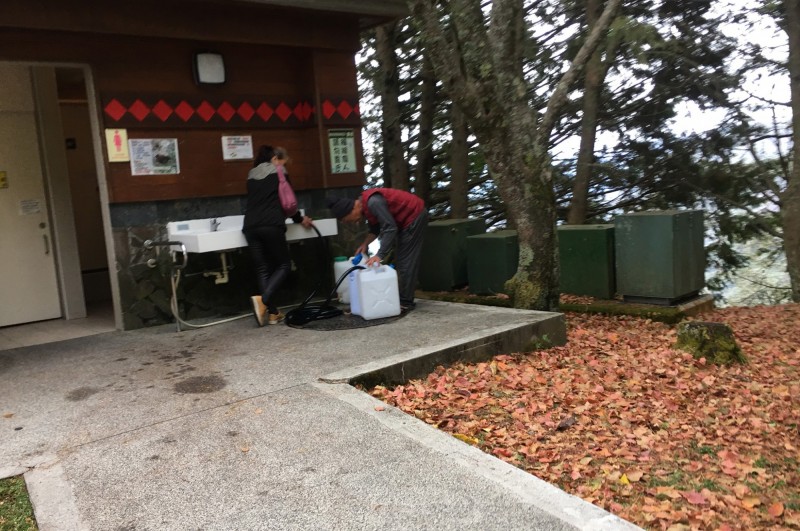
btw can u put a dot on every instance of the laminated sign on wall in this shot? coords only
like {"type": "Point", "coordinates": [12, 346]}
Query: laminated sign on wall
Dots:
{"type": "Point", "coordinates": [154, 156]}
{"type": "Point", "coordinates": [237, 147]}
{"type": "Point", "coordinates": [343, 150]}
{"type": "Point", "coordinates": [117, 145]}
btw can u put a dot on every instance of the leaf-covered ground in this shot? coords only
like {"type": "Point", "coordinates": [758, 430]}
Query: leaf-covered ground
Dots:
{"type": "Point", "coordinates": [623, 420]}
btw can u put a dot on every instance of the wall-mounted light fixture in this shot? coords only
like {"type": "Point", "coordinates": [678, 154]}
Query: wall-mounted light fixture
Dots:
{"type": "Point", "coordinates": [209, 68]}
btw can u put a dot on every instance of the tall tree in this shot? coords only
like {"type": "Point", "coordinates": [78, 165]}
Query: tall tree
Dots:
{"type": "Point", "coordinates": [395, 172]}
{"type": "Point", "coordinates": [478, 54]}
{"type": "Point", "coordinates": [790, 199]}
{"type": "Point", "coordinates": [661, 54]}
{"type": "Point", "coordinates": [425, 157]}
{"type": "Point", "coordinates": [459, 164]}
{"type": "Point", "coordinates": [594, 77]}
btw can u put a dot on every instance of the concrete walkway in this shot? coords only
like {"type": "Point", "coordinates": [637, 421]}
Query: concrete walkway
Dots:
{"type": "Point", "coordinates": [235, 427]}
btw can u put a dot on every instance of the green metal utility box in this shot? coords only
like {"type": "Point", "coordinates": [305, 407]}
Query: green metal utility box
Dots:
{"type": "Point", "coordinates": [660, 256]}
{"type": "Point", "coordinates": [491, 260]}
{"type": "Point", "coordinates": [443, 265]}
{"type": "Point", "coordinates": [586, 260]}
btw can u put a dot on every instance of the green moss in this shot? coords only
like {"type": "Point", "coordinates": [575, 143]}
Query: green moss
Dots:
{"type": "Point", "coordinates": [662, 314]}
{"type": "Point", "coordinates": [713, 341]}
{"type": "Point", "coordinates": [466, 298]}
{"type": "Point", "coordinates": [523, 292]}
{"type": "Point", "coordinates": [539, 343]}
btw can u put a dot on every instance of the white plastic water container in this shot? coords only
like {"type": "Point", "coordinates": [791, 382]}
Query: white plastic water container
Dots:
{"type": "Point", "coordinates": [354, 291]}
{"type": "Point", "coordinates": [340, 265]}
{"type": "Point", "coordinates": [374, 293]}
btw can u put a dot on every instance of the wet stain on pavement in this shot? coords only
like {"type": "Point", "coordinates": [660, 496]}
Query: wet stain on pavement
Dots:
{"type": "Point", "coordinates": [182, 370]}
{"type": "Point", "coordinates": [5, 363]}
{"type": "Point", "coordinates": [182, 355]}
{"type": "Point", "coordinates": [200, 384]}
{"type": "Point", "coordinates": [81, 393]}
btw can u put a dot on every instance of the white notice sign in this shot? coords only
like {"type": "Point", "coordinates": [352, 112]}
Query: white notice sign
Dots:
{"type": "Point", "coordinates": [29, 206]}
{"type": "Point", "coordinates": [237, 147]}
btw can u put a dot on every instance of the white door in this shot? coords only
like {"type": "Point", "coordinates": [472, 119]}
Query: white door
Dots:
{"type": "Point", "coordinates": [28, 284]}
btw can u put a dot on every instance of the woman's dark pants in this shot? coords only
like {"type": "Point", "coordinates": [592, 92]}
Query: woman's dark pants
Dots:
{"type": "Point", "coordinates": [271, 260]}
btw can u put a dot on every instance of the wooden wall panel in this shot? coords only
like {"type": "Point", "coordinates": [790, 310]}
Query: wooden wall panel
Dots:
{"type": "Point", "coordinates": [335, 72]}
{"type": "Point", "coordinates": [188, 20]}
{"type": "Point", "coordinates": [203, 174]}
{"type": "Point", "coordinates": [130, 64]}
{"type": "Point", "coordinates": [335, 76]}
{"type": "Point", "coordinates": [155, 67]}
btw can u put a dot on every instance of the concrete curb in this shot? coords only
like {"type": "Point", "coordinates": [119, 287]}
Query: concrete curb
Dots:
{"type": "Point", "coordinates": [480, 346]}
{"type": "Point", "coordinates": [526, 487]}
{"type": "Point", "coordinates": [52, 499]}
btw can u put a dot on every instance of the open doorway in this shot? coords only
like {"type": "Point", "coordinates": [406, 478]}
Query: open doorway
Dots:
{"type": "Point", "coordinates": [84, 188]}
{"type": "Point", "coordinates": [52, 233]}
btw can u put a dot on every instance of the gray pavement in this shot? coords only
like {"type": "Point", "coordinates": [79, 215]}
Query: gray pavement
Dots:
{"type": "Point", "coordinates": [238, 427]}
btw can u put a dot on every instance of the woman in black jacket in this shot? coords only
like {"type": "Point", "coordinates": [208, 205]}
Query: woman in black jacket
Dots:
{"type": "Point", "coordinates": [265, 231]}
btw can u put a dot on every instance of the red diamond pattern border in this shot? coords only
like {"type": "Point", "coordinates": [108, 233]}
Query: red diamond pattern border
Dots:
{"type": "Point", "coordinates": [180, 111]}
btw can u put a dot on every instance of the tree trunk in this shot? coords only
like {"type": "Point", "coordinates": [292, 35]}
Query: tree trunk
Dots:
{"type": "Point", "coordinates": [459, 165]}
{"type": "Point", "coordinates": [592, 87]}
{"type": "Point", "coordinates": [395, 173]}
{"type": "Point", "coordinates": [790, 199]}
{"type": "Point", "coordinates": [524, 183]}
{"type": "Point", "coordinates": [427, 109]}
{"type": "Point", "coordinates": [481, 69]}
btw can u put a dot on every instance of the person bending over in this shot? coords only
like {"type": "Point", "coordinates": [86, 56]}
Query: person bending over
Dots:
{"type": "Point", "coordinates": [398, 220]}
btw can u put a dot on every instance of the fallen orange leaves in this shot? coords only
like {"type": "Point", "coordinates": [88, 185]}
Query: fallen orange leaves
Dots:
{"type": "Point", "coordinates": [620, 418]}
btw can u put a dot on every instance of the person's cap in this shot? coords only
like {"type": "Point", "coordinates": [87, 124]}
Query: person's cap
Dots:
{"type": "Point", "coordinates": [340, 206]}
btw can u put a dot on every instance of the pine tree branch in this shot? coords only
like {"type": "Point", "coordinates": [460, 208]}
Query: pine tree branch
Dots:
{"type": "Point", "coordinates": [559, 96]}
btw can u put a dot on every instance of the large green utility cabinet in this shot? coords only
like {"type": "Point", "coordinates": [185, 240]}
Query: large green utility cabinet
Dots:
{"type": "Point", "coordinates": [586, 260]}
{"type": "Point", "coordinates": [444, 253]}
{"type": "Point", "coordinates": [491, 260]}
{"type": "Point", "coordinates": [660, 256]}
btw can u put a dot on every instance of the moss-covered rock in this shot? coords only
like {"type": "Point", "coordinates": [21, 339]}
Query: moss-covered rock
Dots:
{"type": "Point", "coordinates": [713, 341]}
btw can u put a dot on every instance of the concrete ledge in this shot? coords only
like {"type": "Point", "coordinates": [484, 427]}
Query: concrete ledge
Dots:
{"type": "Point", "coordinates": [545, 329]}
{"type": "Point", "coordinates": [696, 306]}
{"type": "Point", "coordinates": [655, 312]}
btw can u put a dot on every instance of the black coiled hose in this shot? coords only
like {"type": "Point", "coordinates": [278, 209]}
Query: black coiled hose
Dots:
{"type": "Point", "coordinates": [306, 313]}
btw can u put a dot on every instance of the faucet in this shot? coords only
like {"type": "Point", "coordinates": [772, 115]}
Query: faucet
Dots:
{"type": "Point", "coordinates": [214, 224]}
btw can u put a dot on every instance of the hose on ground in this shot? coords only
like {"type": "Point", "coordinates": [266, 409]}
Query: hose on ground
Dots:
{"type": "Point", "coordinates": [306, 313]}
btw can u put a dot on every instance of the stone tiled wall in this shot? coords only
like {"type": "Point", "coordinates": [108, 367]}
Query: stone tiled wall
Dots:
{"type": "Point", "coordinates": [145, 291]}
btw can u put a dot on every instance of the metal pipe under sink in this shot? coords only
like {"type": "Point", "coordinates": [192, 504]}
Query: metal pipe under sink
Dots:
{"type": "Point", "coordinates": [175, 277]}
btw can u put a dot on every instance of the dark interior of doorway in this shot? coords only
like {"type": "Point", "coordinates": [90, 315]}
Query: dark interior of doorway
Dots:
{"type": "Point", "coordinates": [84, 187]}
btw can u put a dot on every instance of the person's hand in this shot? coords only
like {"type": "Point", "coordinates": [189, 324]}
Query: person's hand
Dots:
{"type": "Point", "coordinates": [307, 222]}
{"type": "Point", "coordinates": [362, 249]}
{"type": "Point", "coordinates": [373, 260]}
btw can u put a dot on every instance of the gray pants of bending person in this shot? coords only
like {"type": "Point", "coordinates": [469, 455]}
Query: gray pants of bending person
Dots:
{"type": "Point", "coordinates": [408, 251]}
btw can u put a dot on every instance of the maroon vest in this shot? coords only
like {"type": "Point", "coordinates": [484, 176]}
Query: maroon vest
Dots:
{"type": "Point", "coordinates": [403, 206]}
